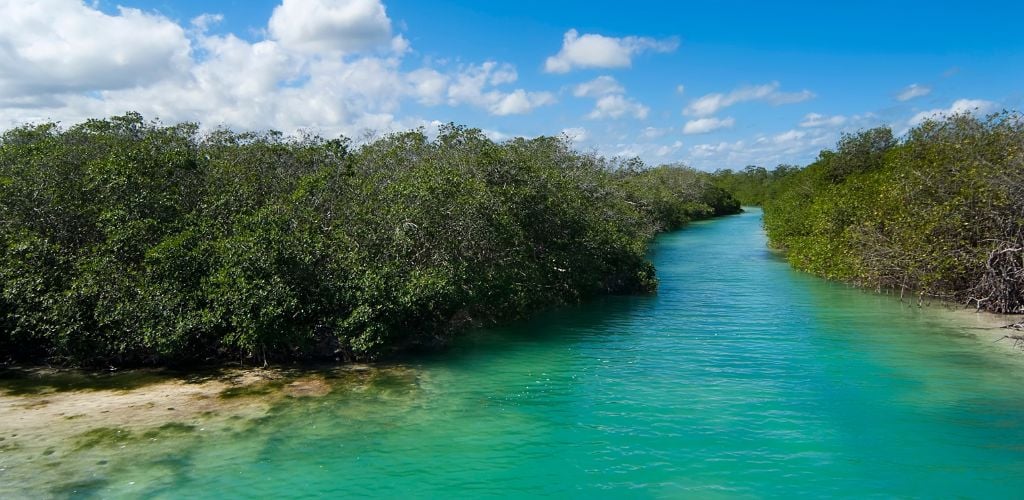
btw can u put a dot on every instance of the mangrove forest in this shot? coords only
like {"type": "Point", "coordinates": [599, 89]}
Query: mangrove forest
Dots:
{"type": "Point", "coordinates": [129, 242]}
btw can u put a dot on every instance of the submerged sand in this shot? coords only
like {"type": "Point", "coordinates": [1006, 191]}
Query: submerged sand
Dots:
{"type": "Point", "coordinates": [985, 325]}
{"type": "Point", "coordinates": [58, 429]}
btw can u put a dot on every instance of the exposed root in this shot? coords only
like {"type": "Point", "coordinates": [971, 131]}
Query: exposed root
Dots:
{"type": "Point", "coordinates": [1018, 340]}
{"type": "Point", "coordinates": [1001, 288]}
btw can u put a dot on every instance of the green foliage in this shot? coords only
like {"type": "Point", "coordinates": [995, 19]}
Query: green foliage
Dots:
{"type": "Point", "coordinates": [864, 151]}
{"type": "Point", "coordinates": [124, 241]}
{"type": "Point", "coordinates": [940, 212]}
{"type": "Point", "coordinates": [753, 185]}
{"type": "Point", "coordinates": [674, 195]}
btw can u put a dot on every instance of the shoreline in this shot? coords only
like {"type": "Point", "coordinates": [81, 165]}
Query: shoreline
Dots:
{"type": "Point", "coordinates": [991, 325]}
{"type": "Point", "coordinates": [980, 322]}
{"type": "Point", "coordinates": [50, 422]}
{"type": "Point", "coordinates": [63, 428]}
{"type": "Point", "coordinates": [35, 398]}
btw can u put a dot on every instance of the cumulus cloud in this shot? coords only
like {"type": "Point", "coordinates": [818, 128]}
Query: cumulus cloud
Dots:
{"type": "Point", "coordinates": [790, 146]}
{"type": "Point", "coordinates": [53, 46]}
{"type": "Point", "coordinates": [815, 120]}
{"type": "Point", "coordinates": [331, 25]}
{"type": "Point", "coordinates": [960, 106]}
{"type": "Point", "coordinates": [576, 134]}
{"type": "Point", "coordinates": [913, 91]}
{"type": "Point", "coordinates": [602, 85]}
{"type": "Point", "coordinates": [712, 103]}
{"type": "Point", "coordinates": [475, 85]}
{"type": "Point", "coordinates": [520, 102]}
{"type": "Point", "coordinates": [654, 132]}
{"type": "Point", "coordinates": [598, 51]}
{"type": "Point", "coordinates": [610, 99]}
{"type": "Point", "coordinates": [427, 85]}
{"type": "Point", "coordinates": [651, 151]}
{"type": "Point", "coordinates": [333, 67]}
{"type": "Point", "coordinates": [496, 135]}
{"type": "Point", "coordinates": [706, 125]}
{"type": "Point", "coordinates": [202, 23]}
{"type": "Point", "coordinates": [618, 106]}
{"type": "Point", "coordinates": [670, 149]}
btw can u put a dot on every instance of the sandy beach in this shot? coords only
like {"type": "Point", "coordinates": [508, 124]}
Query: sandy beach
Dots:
{"type": "Point", "coordinates": [54, 421]}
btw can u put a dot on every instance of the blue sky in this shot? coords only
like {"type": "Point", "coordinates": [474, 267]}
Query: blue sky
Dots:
{"type": "Point", "coordinates": [711, 84]}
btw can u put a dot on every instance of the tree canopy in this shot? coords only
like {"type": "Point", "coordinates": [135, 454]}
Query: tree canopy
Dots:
{"type": "Point", "coordinates": [939, 212]}
{"type": "Point", "coordinates": [126, 241]}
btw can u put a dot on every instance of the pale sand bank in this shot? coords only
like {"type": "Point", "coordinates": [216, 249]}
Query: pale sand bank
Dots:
{"type": "Point", "coordinates": [64, 426]}
{"type": "Point", "coordinates": [60, 429]}
{"type": "Point", "coordinates": [987, 326]}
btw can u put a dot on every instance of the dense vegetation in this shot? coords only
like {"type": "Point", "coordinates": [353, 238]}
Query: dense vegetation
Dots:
{"type": "Point", "coordinates": [939, 212]}
{"type": "Point", "coordinates": [125, 242]}
{"type": "Point", "coordinates": [753, 185]}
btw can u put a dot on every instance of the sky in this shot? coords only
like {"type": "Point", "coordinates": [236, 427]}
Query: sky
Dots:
{"type": "Point", "coordinates": [714, 84]}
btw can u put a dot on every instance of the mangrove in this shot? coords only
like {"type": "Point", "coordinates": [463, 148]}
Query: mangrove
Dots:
{"type": "Point", "coordinates": [130, 242]}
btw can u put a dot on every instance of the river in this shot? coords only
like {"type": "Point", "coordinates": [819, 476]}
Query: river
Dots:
{"type": "Point", "coordinates": [739, 378]}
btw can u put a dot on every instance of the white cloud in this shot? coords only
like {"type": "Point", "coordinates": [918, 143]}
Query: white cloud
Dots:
{"type": "Point", "coordinates": [499, 74]}
{"type": "Point", "coordinates": [576, 134]}
{"type": "Point", "coordinates": [53, 46]}
{"type": "Point", "coordinates": [654, 132]}
{"type": "Point", "coordinates": [704, 151]}
{"type": "Point", "coordinates": [680, 89]}
{"type": "Point", "coordinates": [203, 22]}
{"type": "Point", "coordinates": [792, 146]}
{"type": "Point", "coordinates": [706, 125]}
{"type": "Point", "coordinates": [520, 102]}
{"type": "Point", "coordinates": [796, 146]}
{"type": "Point", "coordinates": [788, 137]}
{"type": "Point", "coordinates": [281, 90]}
{"type": "Point", "coordinates": [667, 150]}
{"type": "Point", "coordinates": [495, 135]}
{"type": "Point", "coordinates": [471, 81]}
{"type": "Point", "coordinates": [815, 120]}
{"type": "Point", "coordinates": [712, 103]}
{"type": "Point", "coordinates": [399, 45]}
{"type": "Point", "coordinates": [473, 85]}
{"type": "Point", "coordinates": [961, 106]}
{"type": "Point", "coordinates": [598, 51]}
{"type": "Point", "coordinates": [427, 85]}
{"type": "Point", "coordinates": [602, 85]}
{"type": "Point", "coordinates": [610, 99]}
{"type": "Point", "coordinates": [913, 91]}
{"type": "Point", "coordinates": [650, 151]}
{"type": "Point", "coordinates": [331, 25]}
{"type": "Point", "coordinates": [66, 61]}
{"type": "Point", "coordinates": [618, 106]}
{"type": "Point", "coordinates": [329, 81]}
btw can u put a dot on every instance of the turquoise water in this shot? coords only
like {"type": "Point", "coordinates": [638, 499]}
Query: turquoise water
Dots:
{"type": "Point", "coordinates": [740, 378]}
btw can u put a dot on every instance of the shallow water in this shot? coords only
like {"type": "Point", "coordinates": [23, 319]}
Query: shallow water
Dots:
{"type": "Point", "coordinates": [739, 378]}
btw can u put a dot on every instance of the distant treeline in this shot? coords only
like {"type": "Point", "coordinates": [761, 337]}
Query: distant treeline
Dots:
{"type": "Point", "coordinates": [938, 212]}
{"type": "Point", "coordinates": [753, 185]}
{"type": "Point", "coordinates": [124, 241]}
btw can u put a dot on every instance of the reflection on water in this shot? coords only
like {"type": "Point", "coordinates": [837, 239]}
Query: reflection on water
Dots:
{"type": "Point", "coordinates": [739, 378]}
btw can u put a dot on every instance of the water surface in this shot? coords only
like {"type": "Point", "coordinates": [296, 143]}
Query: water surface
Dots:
{"type": "Point", "coordinates": [740, 378]}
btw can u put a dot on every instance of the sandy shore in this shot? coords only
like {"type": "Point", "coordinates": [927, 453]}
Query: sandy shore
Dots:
{"type": "Point", "coordinates": [39, 407]}
{"type": "Point", "coordinates": [53, 422]}
{"type": "Point", "coordinates": [59, 429]}
{"type": "Point", "coordinates": [987, 326]}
